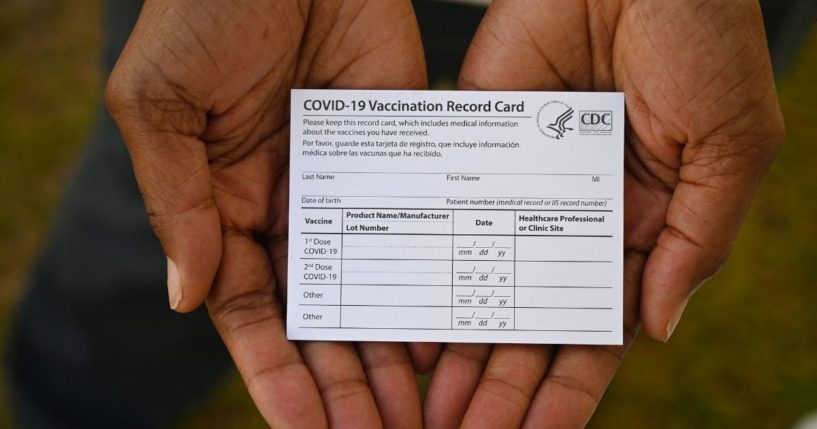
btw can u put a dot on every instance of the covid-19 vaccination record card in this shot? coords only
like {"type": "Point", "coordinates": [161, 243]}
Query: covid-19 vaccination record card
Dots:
{"type": "Point", "coordinates": [456, 216]}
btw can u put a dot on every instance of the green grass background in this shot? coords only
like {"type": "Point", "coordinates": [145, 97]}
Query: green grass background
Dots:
{"type": "Point", "coordinates": [745, 354]}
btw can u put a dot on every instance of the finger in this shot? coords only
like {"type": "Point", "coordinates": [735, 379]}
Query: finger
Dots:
{"type": "Point", "coordinates": [453, 383]}
{"type": "Point", "coordinates": [335, 366]}
{"type": "Point", "coordinates": [387, 365]}
{"type": "Point", "coordinates": [171, 168]}
{"type": "Point", "coordinates": [364, 39]}
{"type": "Point", "coordinates": [579, 375]}
{"type": "Point", "coordinates": [534, 45]}
{"type": "Point", "coordinates": [718, 182]}
{"type": "Point", "coordinates": [506, 389]}
{"type": "Point", "coordinates": [503, 56]}
{"type": "Point", "coordinates": [391, 377]}
{"type": "Point", "coordinates": [278, 238]}
{"type": "Point", "coordinates": [342, 383]}
{"type": "Point", "coordinates": [245, 311]}
{"type": "Point", "coordinates": [424, 356]}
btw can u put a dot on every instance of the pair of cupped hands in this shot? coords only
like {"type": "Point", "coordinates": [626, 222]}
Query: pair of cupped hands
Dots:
{"type": "Point", "coordinates": [201, 96]}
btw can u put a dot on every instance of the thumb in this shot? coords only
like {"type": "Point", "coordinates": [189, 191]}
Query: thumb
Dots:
{"type": "Point", "coordinates": [535, 45]}
{"type": "Point", "coordinates": [703, 219]}
{"type": "Point", "coordinates": [171, 168]}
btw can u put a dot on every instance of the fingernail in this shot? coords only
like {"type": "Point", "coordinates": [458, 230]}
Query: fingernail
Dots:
{"type": "Point", "coordinates": [673, 322]}
{"type": "Point", "coordinates": [174, 284]}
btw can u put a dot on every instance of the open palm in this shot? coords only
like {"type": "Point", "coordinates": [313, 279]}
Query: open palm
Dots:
{"type": "Point", "coordinates": [201, 96]}
{"type": "Point", "coordinates": [703, 126]}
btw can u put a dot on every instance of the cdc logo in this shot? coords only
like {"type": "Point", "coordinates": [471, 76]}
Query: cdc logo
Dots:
{"type": "Point", "coordinates": [595, 122]}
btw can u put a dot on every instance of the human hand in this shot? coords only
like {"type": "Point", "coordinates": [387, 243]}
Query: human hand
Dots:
{"type": "Point", "coordinates": [201, 96]}
{"type": "Point", "coordinates": [703, 126]}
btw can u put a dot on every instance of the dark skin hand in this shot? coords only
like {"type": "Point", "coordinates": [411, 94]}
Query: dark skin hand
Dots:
{"type": "Point", "coordinates": [703, 126]}
{"type": "Point", "coordinates": [201, 95]}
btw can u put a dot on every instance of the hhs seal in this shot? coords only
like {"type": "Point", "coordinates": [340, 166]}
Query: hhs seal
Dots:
{"type": "Point", "coordinates": [554, 119]}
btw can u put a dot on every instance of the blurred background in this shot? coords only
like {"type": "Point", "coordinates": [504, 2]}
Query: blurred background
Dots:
{"type": "Point", "coordinates": [743, 356]}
